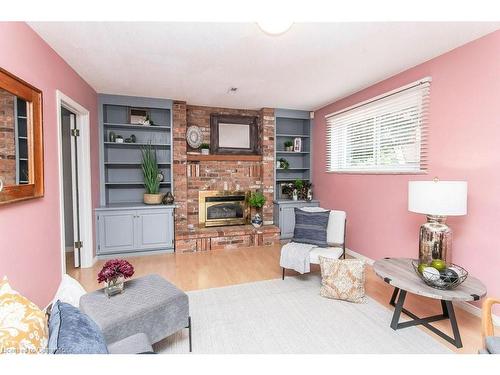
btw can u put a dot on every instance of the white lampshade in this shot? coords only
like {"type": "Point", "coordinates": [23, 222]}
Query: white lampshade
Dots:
{"type": "Point", "coordinates": [440, 198]}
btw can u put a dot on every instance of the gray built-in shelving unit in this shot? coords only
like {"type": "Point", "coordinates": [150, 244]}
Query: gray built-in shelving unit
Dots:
{"type": "Point", "coordinates": [124, 224]}
{"type": "Point", "coordinates": [291, 124]}
{"type": "Point", "coordinates": [121, 173]}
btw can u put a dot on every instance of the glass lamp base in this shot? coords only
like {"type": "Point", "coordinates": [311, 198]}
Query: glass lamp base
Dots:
{"type": "Point", "coordinates": [435, 240]}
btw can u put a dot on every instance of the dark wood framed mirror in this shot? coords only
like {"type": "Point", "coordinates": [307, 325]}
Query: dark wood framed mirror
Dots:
{"type": "Point", "coordinates": [233, 134]}
{"type": "Point", "coordinates": [21, 140]}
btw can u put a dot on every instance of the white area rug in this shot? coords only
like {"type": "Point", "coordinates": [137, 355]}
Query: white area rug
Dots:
{"type": "Point", "coordinates": [289, 316]}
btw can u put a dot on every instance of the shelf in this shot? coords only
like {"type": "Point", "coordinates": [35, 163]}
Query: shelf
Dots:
{"type": "Point", "coordinates": [136, 144]}
{"type": "Point", "coordinates": [292, 152]}
{"type": "Point", "coordinates": [293, 135]}
{"type": "Point", "coordinates": [132, 183]}
{"type": "Point", "coordinates": [291, 169]}
{"type": "Point", "coordinates": [138, 127]}
{"type": "Point", "coordinates": [199, 157]}
{"type": "Point", "coordinates": [290, 179]}
{"type": "Point", "coordinates": [132, 164]}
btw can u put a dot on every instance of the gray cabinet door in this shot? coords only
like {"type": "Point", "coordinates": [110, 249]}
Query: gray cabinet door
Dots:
{"type": "Point", "coordinates": [287, 221]}
{"type": "Point", "coordinates": [154, 229]}
{"type": "Point", "coordinates": [116, 232]}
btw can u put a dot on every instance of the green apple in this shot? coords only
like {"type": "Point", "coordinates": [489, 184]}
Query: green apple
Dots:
{"type": "Point", "coordinates": [438, 264]}
{"type": "Point", "coordinates": [421, 267]}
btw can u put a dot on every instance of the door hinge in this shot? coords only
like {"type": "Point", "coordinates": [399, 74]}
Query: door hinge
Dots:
{"type": "Point", "coordinates": [78, 244]}
{"type": "Point", "coordinates": [75, 132]}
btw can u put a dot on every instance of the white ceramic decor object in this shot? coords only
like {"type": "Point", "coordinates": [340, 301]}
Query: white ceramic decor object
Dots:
{"type": "Point", "coordinates": [194, 137]}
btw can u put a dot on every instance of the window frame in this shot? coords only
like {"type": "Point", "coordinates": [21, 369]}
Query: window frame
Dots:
{"type": "Point", "coordinates": [377, 168]}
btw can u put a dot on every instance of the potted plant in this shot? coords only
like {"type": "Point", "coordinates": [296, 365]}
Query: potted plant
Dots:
{"type": "Point", "coordinates": [151, 171]}
{"type": "Point", "coordinates": [114, 272]}
{"type": "Point", "coordinates": [257, 201]}
{"type": "Point", "coordinates": [284, 164]}
{"type": "Point", "coordinates": [205, 148]}
{"type": "Point", "coordinates": [298, 190]}
{"type": "Point", "coordinates": [288, 146]}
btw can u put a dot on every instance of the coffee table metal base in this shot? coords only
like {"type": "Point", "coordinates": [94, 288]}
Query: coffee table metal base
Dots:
{"type": "Point", "coordinates": [448, 313]}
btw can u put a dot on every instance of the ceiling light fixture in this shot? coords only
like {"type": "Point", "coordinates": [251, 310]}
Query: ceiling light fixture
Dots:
{"type": "Point", "coordinates": [275, 26]}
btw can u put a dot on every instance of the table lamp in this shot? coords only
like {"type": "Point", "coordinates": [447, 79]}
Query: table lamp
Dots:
{"type": "Point", "coordinates": [436, 199]}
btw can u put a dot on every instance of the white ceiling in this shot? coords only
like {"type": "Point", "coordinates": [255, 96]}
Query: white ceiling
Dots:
{"type": "Point", "coordinates": [309, 66]}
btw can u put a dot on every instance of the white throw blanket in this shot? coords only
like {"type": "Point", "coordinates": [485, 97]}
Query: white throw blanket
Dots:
{"type": "Point", "coordinates": [295, 256]}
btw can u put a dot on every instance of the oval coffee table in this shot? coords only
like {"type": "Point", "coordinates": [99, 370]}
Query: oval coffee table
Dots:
{"type": "Point", "coordinates": [399, 273]}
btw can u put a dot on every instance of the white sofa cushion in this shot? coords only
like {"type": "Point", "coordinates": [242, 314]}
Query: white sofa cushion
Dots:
{"type": "Point", "coordinates": [336, 224]}
{"type": "Point", "coordinates": [69, 291]}
{"type": "Point", "coordinates": [325, 252]}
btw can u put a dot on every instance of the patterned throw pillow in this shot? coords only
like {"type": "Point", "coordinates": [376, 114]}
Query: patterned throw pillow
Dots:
{"type": "Point", "coordinates": [342, 279]}
{"type": "Point", "coordinates": [310, 227]}
{"type": "Point", "coordinates": [23, 326]}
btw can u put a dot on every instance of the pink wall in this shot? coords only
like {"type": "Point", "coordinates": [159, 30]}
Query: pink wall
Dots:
{"type": "Point", "coordinates": [29, 231]}
{"type": "Point", "coordinates": [464, 144]}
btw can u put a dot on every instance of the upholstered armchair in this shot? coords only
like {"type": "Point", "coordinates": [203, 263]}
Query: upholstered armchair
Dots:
{"type": "Point", "coordinates": [491, 343]}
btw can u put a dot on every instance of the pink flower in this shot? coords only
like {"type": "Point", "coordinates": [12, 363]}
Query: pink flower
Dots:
{"type": "Point", "coordinates": [115, 268]}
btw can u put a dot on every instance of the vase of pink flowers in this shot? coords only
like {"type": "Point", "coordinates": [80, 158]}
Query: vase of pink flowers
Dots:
{"type": "Point", "coordinates": [114, 272]}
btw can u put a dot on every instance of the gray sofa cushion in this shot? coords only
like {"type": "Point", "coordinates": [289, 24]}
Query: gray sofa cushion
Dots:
{"type": "Point", "coordinates": [72, 332]}
{"type": "Point", "coordinates": [148, 304]}
{"type": "Point", "coordinates": [493, 344]}
{"type": "Point", "coordinates": [310, 227]}
{"type": "Point", "coordinates": [135, 344]}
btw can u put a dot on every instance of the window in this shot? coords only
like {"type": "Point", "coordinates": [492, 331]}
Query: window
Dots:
{"type": "Point", "coordinates": [386, 134]}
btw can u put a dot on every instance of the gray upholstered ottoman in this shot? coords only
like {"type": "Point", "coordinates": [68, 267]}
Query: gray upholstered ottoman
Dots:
{"type": "Point", "coordinates": [149, 305]}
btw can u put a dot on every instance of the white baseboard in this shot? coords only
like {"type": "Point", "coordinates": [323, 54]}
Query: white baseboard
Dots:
{"type": "Point", "coordinates": [474, 310]}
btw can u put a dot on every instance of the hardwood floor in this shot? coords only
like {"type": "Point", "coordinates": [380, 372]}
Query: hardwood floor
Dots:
{"type": "Point", "coordinates": [212, 269]}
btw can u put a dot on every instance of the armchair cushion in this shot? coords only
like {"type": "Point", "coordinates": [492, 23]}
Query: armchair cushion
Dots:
{"type": "Point", "coordinates": [325, 252]}
{"type": "Point", "coordinates": [493, 344]}
{"type": "Point", "coordinates": [336, 225]}
{"type": "Point", "coordinates": [310, 227]}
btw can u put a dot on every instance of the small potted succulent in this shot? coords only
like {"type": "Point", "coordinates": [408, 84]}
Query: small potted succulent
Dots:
{"type": "Point", "coordinates": [114, 272]}
{"type": "Point", "coordinates": [151, 173]}
{"type": "Point", "coordinates": [288, 146]}
{"type": "Point", "coordinates": [284, 164]}
{"type": "Point", "coordinates": [205, 148]}
{"type": "Point", "coordinates": [257, 201]}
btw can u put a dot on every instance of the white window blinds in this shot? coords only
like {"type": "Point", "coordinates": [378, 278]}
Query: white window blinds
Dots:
{"type": "Point", "coordinates": [386, 134]}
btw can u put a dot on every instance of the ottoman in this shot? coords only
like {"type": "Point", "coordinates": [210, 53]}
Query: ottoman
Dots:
{"type": "Point", "coordinates": [149, 305]}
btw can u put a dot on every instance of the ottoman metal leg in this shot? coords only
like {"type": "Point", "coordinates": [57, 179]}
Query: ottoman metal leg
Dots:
{"type": "Point", "coordinates": [190, 335]}
{"type": "Point", "coordinates": [283, 275]}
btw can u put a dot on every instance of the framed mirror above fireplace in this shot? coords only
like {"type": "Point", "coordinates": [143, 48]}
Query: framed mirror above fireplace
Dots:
{"type": "Point", "coordinates": [234, 134]}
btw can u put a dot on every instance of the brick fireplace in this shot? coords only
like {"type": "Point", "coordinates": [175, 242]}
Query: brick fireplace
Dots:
{"type": "Point", "coordinates": [194, 173]}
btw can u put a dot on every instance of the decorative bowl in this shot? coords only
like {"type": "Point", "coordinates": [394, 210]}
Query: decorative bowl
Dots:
{"type": "Point", "coordinates": [449, 277]}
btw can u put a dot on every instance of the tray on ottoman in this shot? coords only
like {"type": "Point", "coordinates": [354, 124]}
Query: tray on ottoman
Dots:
{"type": "Point", "coordinates": [149, 305]}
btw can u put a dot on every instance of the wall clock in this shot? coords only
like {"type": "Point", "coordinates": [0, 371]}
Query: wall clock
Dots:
{"type": "Point", "coordinates": [194, 137]}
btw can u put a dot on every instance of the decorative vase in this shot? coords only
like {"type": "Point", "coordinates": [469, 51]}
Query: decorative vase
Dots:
{"type": "Point", "coordinates": [153, 198]}
{"type": "Point", "coordinates": [205, 151]}
{"type": "Point", "coordinates": [295, 195]}
{"type": "Point", "coordinates": [112, 137]}
{"type": "Point", "coordinates": [168, 198]}
{"type": "Point", "coordinates": [309, 194]}
{"type": "Point", "coordinates": [118, 139]}
{"type": "Point", "coordinates": [114, 286]}
{"type": "Point", "coordinates": [257, 221]}
{"type": "Point", "coordinates": [160, 176]}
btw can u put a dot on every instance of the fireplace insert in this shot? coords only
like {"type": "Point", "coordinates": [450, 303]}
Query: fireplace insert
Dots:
{"type": "Point", "coordinates": [219, 208]}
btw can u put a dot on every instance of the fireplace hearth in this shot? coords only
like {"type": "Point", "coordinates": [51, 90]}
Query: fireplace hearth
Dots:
{"type": "Point", "coordinates": [220, 208]}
